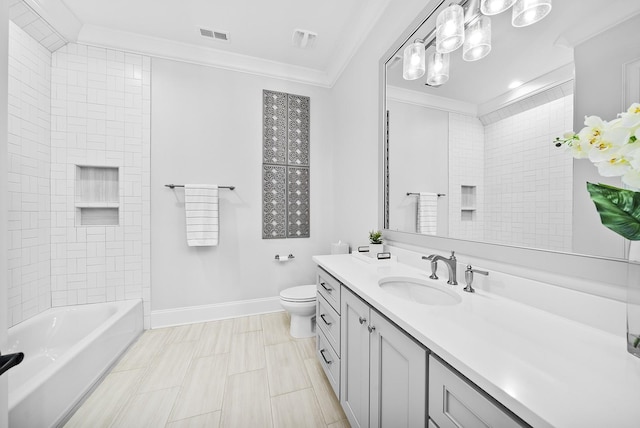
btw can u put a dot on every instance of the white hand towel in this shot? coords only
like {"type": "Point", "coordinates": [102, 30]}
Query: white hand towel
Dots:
{"type": "Point", "coordinates": [201, 212]}
{"type": "Point", "coordinates": [427, 213]}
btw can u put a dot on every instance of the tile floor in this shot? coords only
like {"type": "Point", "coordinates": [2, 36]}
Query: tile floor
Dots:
{"type": "Point", "coordinates": [244, 372]}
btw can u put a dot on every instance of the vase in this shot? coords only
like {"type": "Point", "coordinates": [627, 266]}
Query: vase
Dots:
{"type": "Point", "coordinates": [374, 249]}
{"type": "Point", "coordinates": [633, 299]}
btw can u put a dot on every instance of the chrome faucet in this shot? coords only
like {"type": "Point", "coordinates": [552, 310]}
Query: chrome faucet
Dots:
{"type": "Point", "coordinates": [451, 263]}
{"type": "Point", "coordinates": [468, 277]}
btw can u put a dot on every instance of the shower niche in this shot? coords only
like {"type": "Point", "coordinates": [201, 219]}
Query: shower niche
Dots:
{"type": "Point", "coordinates": [97, 199]}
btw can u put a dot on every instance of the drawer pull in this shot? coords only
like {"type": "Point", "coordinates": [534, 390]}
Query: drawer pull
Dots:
{"type": "Point", "coordinates": [371, 328]}
{"type": "Point", "coordinates": [325, 358]}
{"type": "Point", "coordinates": [324, 285]}
{"type": "Point", "coordinates": [362, 320]}
{"type": "Point", "coordinates": [325, 320]}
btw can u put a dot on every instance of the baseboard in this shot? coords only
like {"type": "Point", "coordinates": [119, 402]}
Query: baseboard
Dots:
{"type": "Point", "coordinates": [218, 311]}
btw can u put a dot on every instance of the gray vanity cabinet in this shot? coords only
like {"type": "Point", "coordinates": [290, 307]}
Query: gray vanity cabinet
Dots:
{"type": "Point", "coordinates": [328, 327]}
{"type": "Point", "coordinates": [383, 378]}
{"type": "Point", "coordinates": [456, 403]}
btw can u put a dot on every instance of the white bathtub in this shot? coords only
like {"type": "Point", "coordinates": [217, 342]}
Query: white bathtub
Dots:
{"type": "Point", "coordinates": [66, 350]}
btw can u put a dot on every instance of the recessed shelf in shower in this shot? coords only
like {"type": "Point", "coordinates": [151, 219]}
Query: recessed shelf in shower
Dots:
{"type": "Point", "coordinates": [97, 199]}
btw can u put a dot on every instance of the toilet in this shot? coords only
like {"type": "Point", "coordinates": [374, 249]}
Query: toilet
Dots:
{"type": "Point", "coordinates": [300, 302]}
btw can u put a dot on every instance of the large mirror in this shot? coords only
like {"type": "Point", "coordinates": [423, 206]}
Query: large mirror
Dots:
{"type": "Point", "coordinates": [474, 158]}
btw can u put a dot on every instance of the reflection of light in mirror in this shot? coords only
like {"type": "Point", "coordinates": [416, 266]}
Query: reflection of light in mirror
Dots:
{"type": "Point", "coordinates": [438, 69]}
{"type": "Point", "coordinates": [477, 42]}
{"type": "Point", "coordinates": [515, 84]}
{"type": "Point", "coordinates": [413, 64]}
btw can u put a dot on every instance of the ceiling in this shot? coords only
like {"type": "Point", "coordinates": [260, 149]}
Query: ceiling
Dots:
{"type": "Point", "coordinates": [260, 31]}
{"type": "Point", "coordinates": [523, 54]}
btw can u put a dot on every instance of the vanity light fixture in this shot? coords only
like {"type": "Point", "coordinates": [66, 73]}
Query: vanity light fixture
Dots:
{"type": "Point", "coordinates": [438, 69]}
{"type": "Point", "coordinates": [450, 29]}
{"type": "Point", "coordinates": [477, 41]}
{"type": "Point", "coordinates": [413, 63]}
{"type": "Point", "coordinates": [494, 7]}
{"type": "Point", "coordinates": [527, 12]}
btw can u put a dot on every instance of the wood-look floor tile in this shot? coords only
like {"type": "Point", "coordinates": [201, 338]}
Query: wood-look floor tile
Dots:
{"type": "Point", "coordinates": [247, 352]}
{"type": "Point", "coordinates": [246, 401]}
{"type": "Point", "coordinates": [215, 338]}
{"type": "Point", "coordinates": [150, 409]}
{"type": "Point", "coordinates": [306, 347]}
{"type": "Point", "coordinates": [142, 352]}
{"type": "Point", "coordinates": [340, 424]}
{"type": "Point", "coordinates": [169, 367]}
{"type": "Point", "coordinates": [185, 333]}
{"type": "Point", "coordinates": [329, 404]}
{"type": "Point", "coordinates": [107, 400]}
{"type": "Point", "coordinates": [245, 324]}
{"type": "Point", "coordinates": [275, 328]}
{"type": "Point", "coordinates": [208, 420]}
{"type": "Point", "coordinates": [297, 409]}
{"type": "Point", "coordinates": [203, 387]}
{"type": "Point", "coordinates": [285, 369]}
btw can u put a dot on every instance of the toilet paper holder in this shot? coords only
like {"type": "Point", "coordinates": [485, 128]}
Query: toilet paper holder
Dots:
{"type": "Point", "coordinates": [289, 257]}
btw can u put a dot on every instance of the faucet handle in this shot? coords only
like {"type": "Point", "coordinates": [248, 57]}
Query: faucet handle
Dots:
{"type": "Point", "coordinates": [453, 256]}
{"type": "Point", "coordinates": [468, 277]}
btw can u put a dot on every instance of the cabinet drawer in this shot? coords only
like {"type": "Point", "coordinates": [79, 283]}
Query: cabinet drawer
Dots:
{"type": "Point", "coordinates": [456, 403]}
{"type": "Point", "coordinates": [329, 321]}
{"type": "Point", "coordinates": [329, 361]}
{"type": "Point", "coordinates": [329, 288]}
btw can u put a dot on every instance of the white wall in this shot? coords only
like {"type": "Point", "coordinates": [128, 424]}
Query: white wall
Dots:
{"type": "Point", "coordinates": [418, 143]}
{"type": "Point", "coordinates": [599, 91]}
{"type": "Point", "coordinates": [355, 156]}
{"type": "Point", "coordinates": [29, 184]}
{"type": "Point", "coordinates": [100, 117]}
{"type": "Point", "coordinates": [207, 128]}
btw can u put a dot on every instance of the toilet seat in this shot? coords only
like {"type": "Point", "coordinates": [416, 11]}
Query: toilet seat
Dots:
{"type": "Point", "coordinates": [299, 294]}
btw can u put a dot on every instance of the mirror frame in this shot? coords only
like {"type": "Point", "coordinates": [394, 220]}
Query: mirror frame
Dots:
{"type": "Point", "coordinates": [601, 276]}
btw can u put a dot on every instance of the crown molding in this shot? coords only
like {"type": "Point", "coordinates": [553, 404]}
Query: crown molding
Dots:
{"type": "Point", "coordinates": [58, 16]}
{"type": "Point", "coordinates": [402, 95]}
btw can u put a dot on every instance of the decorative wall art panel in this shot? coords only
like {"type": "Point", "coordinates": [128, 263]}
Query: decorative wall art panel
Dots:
{"type": "Point", "coordinates": [298, 130]}
{"type": "Point", "coordinates": [285, 163]}
{"type": "Point", "coordinates": [274, 112]}
{"type": "Point", "coordinates": [274, 201]}
{"type": "Point", "coordinates": [298, 202]}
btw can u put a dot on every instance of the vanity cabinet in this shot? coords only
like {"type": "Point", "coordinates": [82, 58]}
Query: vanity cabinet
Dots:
{"type": "Point", "coordinates": [454, 402]}
{"type": "Point", "coordinates": [383, 370]}
{"type": "Point", "coordinates": [328, 323]}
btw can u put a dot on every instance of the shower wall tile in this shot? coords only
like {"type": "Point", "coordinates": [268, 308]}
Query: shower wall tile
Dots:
{"type": "Point", "coordinates": [29, 151]}
{"type": "Point", "coordinates": [100, 115]}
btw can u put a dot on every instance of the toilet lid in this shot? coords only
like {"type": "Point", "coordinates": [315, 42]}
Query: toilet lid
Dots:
{"type": "Point", "coordinates": [301, 293]}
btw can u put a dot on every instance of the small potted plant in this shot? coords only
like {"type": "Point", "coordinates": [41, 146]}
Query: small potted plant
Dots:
{"type": "Point", "coordinates": [375, 243]}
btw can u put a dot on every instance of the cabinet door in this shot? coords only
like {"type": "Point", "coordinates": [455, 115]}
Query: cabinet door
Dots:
{"type": "Point", "coordinates": [354, 350]}
{"type": "Point", "coordinates": [398, 377]}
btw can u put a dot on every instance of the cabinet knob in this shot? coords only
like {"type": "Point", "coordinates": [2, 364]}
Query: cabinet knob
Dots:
{"type": "Point", "coordinates": [362, 320]}
{"type": "Point", "coordinates": [324, 319]}
{"type": "Point", "coordinates": [371, 328]}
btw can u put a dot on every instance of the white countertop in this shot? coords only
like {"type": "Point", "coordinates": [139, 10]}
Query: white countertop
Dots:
{"type": "Point", "coordinates": [548, 370]}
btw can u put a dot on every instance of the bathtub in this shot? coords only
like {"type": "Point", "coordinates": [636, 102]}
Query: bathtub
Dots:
{"type": "Point", "coordinates": [66, 350]}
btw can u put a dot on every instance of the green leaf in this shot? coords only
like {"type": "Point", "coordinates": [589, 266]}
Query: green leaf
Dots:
{"type": "Point", "coordinates": [619, 209]}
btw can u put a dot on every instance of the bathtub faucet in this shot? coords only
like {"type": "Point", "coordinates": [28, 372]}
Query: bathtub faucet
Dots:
{"type": "Point", "coordinates": [451, 263]}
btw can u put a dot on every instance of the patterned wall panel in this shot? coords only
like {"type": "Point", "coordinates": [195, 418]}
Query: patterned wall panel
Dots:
{"type": "Point", "coordinates": [298, 130]}
{"type": "Point", "coordinates": [274, 147]}
{"type": "Point", "coordinates": [274, 201]}
{"type": "Point", "coordinates": [298, 211]}
{"type": "Point", "coordinates": [285, 159]}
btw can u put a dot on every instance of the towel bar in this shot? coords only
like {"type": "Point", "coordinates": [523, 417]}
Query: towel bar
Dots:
{"type": "Point", "coordinates": [417, 194]}
{"type": "Point", "coordinates": [173, 186]}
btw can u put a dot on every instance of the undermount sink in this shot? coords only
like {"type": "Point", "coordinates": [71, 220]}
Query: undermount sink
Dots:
{"type": "Point", "coordinates": [420, 291]}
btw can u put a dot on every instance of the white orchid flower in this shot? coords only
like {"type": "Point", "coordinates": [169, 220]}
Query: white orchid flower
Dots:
{"type": "Point", "coordinates": [632, 178]}
{"type": "Point", "coordinates": [634, 109]}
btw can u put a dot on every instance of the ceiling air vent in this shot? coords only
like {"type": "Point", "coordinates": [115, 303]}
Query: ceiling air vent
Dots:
{"type": "Point", "coordinates": [215, 34]}
{"type": "Point", "coordinates": [304, 39]}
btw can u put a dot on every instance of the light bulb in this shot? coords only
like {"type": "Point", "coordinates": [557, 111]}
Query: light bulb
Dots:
{"type": "Point", "coordinates": [477, 42]}
{"type": "Point", "coordinates": [494, 7]}
{"type": "Point", "coordinates": [450, 29]}
{"type": "Point", "coordinates": [438, 69]}
{"type": "Point", "coordinates": [527, 12]}
{"type": "Point", "coordinates": [413, 66]}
